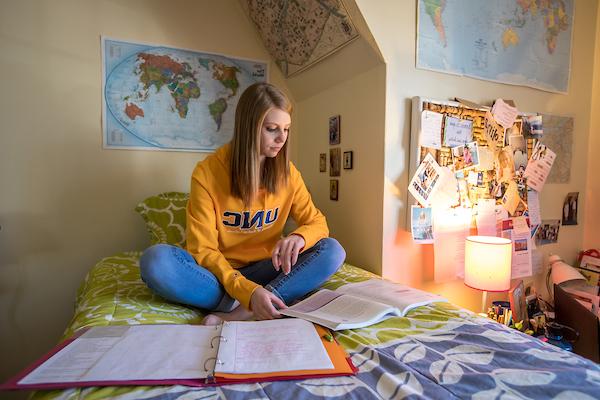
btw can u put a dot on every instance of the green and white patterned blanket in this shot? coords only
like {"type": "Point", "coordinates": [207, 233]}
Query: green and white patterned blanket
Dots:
{"type": "Point", "coordinates": [437, 351]}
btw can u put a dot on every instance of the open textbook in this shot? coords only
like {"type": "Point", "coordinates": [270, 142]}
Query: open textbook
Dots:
{"type": "Point", "coordinates": [361, 304]}
{"type": "Point", "coordinates": [191, 355]}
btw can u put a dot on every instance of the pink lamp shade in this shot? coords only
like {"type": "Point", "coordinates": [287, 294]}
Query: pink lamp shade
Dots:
{"type": "Point", "coordinates": [488, 263]}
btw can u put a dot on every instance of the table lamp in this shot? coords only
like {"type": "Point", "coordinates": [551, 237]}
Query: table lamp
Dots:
{"type": "Point", "coordinates": [488, 264]}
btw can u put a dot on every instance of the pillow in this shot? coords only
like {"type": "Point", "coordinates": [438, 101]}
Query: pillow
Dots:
{"type": "Point", "coordinates": [165, 217]}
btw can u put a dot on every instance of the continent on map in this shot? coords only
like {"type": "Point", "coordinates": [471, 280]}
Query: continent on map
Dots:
{"type": "Point", "coordinates": [435, 9]}
{"type": "Point", "coordinates": [217, 108]}
{"type": "Point", "coordinates": [133, 111]}
{"type": "Point", "coordinates": [227, 76]}
{"type": "Point", "coordinates": [509, 38]}
{"type": "Point", "coordinates": [555, 17]}
{"type": "Point", "coordinates": [158, 71]}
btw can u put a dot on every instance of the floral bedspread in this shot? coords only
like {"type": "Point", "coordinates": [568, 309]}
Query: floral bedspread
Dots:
{"type": "Point", "coordinates": [438, 351]}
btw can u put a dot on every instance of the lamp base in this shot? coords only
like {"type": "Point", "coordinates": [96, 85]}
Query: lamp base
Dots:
{"type": "Point", "coordinates": [484, 303]}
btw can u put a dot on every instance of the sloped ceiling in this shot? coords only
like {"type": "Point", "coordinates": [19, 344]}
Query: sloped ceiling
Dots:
{"type": "Point", "coordinates": [317, 43]}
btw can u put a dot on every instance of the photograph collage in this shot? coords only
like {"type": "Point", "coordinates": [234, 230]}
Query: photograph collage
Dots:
{"type": "Point", "coordinates": [490, 160]}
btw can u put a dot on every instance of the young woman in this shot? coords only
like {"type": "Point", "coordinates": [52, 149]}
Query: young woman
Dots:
{"type": "Point", "coordinates": [240, 199]}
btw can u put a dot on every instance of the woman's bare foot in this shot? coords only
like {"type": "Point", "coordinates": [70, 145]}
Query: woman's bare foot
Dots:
{"type": "Point", "coordinates": [217, 318]}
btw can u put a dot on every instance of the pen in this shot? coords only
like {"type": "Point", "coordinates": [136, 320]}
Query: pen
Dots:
{"type": "Point", "coordinates": [327, 337]}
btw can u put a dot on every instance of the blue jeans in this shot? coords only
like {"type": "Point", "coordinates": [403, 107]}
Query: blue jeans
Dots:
{"type": "Point", "coordinates": [173, 273]}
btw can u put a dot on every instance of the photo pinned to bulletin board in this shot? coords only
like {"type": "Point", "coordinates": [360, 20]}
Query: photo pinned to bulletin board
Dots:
{"type": "Point", "coordinates": [487, 160]}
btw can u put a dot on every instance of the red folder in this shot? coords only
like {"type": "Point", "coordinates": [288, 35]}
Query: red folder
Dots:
{"type": "Point", "coordinates": [343, 366]}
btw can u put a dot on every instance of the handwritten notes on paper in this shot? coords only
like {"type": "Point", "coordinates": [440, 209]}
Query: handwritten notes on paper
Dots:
{"type": "Point", "coordinates": [431, 129]}
{"type": "Point", "coordinates": [504, 113]}
{"type": "Point", "coordinates": [296, 346]}
{"type": "Point", "coordinates": [539, 166]}
{"type": "Point", "coordinates": [457, 131]}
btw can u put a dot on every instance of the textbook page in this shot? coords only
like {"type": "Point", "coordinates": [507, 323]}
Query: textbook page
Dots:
{"type": "Point", "coordinates": [339, 311]}
{"type": "Point", "coordinates": [120, 353]}
{"type": "Point", "coordinates": [271, 346]}
{"type": "Point", "coordinates": [404, 298]}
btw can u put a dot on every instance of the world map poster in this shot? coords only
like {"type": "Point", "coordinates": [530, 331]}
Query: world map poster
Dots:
{"type": "Point", "coordinates": [519, 42]}
{"type": "Point", "coordinates": [163, 98]}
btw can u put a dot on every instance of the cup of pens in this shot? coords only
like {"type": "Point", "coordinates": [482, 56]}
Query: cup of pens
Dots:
{"type": "Point", "coordinates": [500, 312]}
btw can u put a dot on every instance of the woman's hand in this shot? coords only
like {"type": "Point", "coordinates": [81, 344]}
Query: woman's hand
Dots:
{"type": "Point", "coordinates": [286, 252]}
{"type": "Point", "coordinates": [262, 302]}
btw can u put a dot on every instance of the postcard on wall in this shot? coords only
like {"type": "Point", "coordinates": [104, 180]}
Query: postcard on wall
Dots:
{"type": "Point", "coordinates": [511, 198]}
{"type": "Point", "coordinates": [421, 224]}
{"type": "Point", "coordinates": [539, 166]}
{"type": "Point", "coordinates": [532, 126]}
{"type": "Point", "coordinates": [465, 156]}
{"type": "Point", "coordinates": [457, 131]}
{"type": "Point", "coordinates": [547, 232]}
{"type": "Point", "coordinates": [431, 129]}
{"type": "Point", "coordinates": [426, 180]}
{"type": "Point", "coordinates": [521, 251]}
{"type": "Point", "coordinates": [504, 113]}
{"type": "Point", "coordinates": [519, 153]}
{"type": "Point", "coordinates": [570, 209]}
{"type": "Point", "coordinates": [520, 225]}
{"type": "Point", "coordinates": [504, 165]}
{"type": "Point", "coordinates": [493, 131]}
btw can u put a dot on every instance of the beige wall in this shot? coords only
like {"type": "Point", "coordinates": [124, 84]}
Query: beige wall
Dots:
{"type": "Point", "coordinates": [66, 202]}
{"type": "Point", "coordinates": [591, 238]}
{"type": "Point", "coordinates": [393, 25]}
{"type": "Point", "coordinates": [355, 219]}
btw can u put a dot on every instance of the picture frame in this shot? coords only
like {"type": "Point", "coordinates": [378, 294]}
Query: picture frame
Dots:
{"type": "Point", "coordinates": [322, 162]}
{"type": "Point", "coordinates": [518, 306]}
{"type": "Point", "coordinates": [334, 130]}
{"type": "Point", "coordinates": [335, 161]}
{"type": "Point", "coordinates": [348, 155]}
{"type": "Point", "coordinates": [333, 189]}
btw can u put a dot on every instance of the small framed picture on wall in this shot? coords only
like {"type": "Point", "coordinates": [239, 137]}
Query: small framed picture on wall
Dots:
{"type": "Point", "coordinates": [334, 130]}
{"type": "Point", "coordinates": [335, 161]}
{"type": "Point", "coordinates": [333, 189]}
{"type": "Point", "coordinates": [348, 160]}
{"type": "Point", "coordinates": [322, 162]}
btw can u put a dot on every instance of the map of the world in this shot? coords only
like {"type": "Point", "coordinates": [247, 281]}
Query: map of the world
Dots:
{"type": "Point", "coordinates": [520, 42]}
{"type": "Point", "coordinates": [163, 98]}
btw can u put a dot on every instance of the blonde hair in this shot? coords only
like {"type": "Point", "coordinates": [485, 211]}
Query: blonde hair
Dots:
{"type": "Point", "coordinates": [246, 175]}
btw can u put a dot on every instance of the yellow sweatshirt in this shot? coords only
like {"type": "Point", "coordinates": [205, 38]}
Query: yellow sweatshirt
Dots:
{"type": "Point", "coordinates": [223, 235]}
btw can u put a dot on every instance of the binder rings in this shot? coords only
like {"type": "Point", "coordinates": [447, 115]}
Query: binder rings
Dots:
{"type": "Point", "coordinates": [253, 351]}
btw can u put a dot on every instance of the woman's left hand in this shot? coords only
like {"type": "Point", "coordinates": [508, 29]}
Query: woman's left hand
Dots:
{"type": "Point", "coordinates": [286, 252]}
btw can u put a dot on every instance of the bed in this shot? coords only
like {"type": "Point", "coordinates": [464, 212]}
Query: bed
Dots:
{"type": "Point", "coordinates": [436, 351]}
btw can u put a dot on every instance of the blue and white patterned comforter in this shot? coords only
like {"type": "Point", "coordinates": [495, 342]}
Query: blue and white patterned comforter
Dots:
{"type": "Point", "coordinates": [438, 351]}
